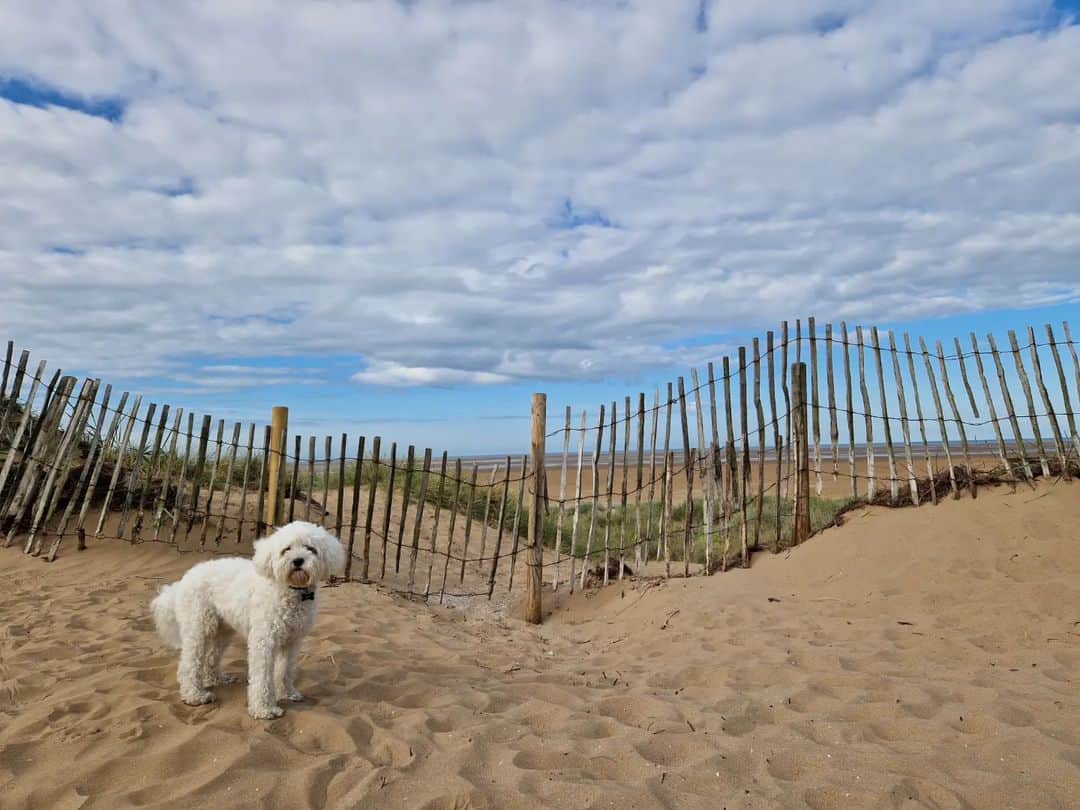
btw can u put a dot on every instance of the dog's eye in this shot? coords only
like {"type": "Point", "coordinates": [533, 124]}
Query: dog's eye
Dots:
{"type": "Point", "coordinates": [312, 550]}
{"type": "Point", "coordinates": [284, 551]}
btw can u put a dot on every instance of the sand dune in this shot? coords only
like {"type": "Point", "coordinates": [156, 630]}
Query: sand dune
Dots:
{"type": "Point", "coordinates": [909, 658]}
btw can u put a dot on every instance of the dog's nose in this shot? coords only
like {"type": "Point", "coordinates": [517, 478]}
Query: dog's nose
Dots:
{"type": "Point", "coordinates": [298, 562]}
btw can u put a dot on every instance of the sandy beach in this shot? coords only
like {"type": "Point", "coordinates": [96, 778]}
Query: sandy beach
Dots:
{"type": "Point", "coordinates": [908, 658]}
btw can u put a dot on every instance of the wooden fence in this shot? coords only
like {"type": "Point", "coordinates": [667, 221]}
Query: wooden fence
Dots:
{"type": "Point", "coordinates": [695, 481]}
{"type": "Point", "coordinates": [883, 421]}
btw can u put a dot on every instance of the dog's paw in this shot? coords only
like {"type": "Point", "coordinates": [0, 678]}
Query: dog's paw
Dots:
{"type": "Point", "coordinates": [294, 695]}
{"type": "Point", "coordinates": [200, 698]}
{"type": "Point", "coordinates": [265, 712]}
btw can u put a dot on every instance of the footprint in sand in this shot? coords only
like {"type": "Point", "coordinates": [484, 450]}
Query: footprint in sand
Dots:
{"type": "Point", "coordinates": [787, 766]}
{"type": "Point", "coordinates": [674, 749]}
{"type": "Point", "coordinates": [1014, 716]}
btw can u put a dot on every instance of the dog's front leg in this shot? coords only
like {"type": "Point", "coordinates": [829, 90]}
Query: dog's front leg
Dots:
{"type": "Point", "coordinates": [261, 653]}
{"type": "Point", "coordinates": [292, 657]}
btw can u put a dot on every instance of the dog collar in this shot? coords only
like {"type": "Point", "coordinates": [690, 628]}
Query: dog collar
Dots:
{"type": "Point", "coordinates": [305, 593]}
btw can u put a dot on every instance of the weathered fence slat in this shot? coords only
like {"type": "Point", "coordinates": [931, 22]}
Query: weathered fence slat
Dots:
{"type": "Point", "coordinates": [84, 478]}
{"type": "Point", "coordinates": [340, 506]}
{"type": "Point", "coordinates": [1025, 386]}
{"type": "Point", "coordinates": [264, 481]}
{"type": "Point", "coordinates": [517, 519]}
{"type": "Point", "coordinates": [667, 512]}
{"type": "Point", "coordinates": [7, 369]}
{"type": "Point", "coordinates": [639, 478]}
{"type": "Point", "coordinates": [25, 421]}
{"type": "Point", "coordinates": [178, 501]}
{"type": "Point", "coordinates": [406, 496]}
{"type": "Point", "coordinates": [295, 480]}
{"type": "Point", "coordinates": [434, 524]}
{"type": "Point", "coordinates": [940, 416]}
{"type": "Point", "coordinates": [389, 507]}
{"type": "Point", "coordinates": [992, 411]}
{"type": "Point", "coordinates": [88, 477]}
{"type": "Point", "coordinates": [653, 430]}
{"type": "Point", "coordinates": [964, 377]}
{"type": "Point", "coordinates": [849, 408]}
{"type": "Point", "coordinates": [1051, 415]}
{"type": "Point", "coordinates": [731, 458]}
{"type": "Point", "coordinates": [454, 508]}
{"type": "Point", "coordinates": [771, 371]}
{"type": "Point", "coordinates": [782, 483]}
{"type": "Point", "coordinates": [577, 500]}
{"type": "Point", "coordinates": [667, 444]}
{"type": "Point", "coordinates": [622, 495]}
{"type": "Point", "coordinates": [1069, 415]}
{"type": "Point", "coordinates": [245, 481]}
{"type": "Point", "coordinates": [688, 462]}
{"type": "Point", "coordinates": [761, 444]}
{"type": "Point", "coordinates": [207, 510]}
{"type": "Point", "coordinates": [354, 507]}
{"type": "Point", "coordinates": [699, 458]}
{"type": "Point", "coordinates": [502, 523]}
{"type": "Point", "coordinates": [131, 500]}
{"type": "Point", "coordinates": [418, 518]}
{"type": "Point", "coordinates": [369, 515]}
{"type": "Point", "coordinates": [16, 387]}
{"type": "Point", "coordinates": [815, 413]}
{"type": "Point", "coordinates": [562, 496]}
{"type": "Point", "coordinates": [1076, 359]}
{"type": "Point", "coordinates": [328, 453]}
{"type": "Point", "coordinates": [40, 459]}
{"type": "Point", "coordinates": [890, 451]}
{"type": "Point", "coordinates": [49, 494]}
{"type": "Point", "coordinates": [36, 442]}
{"type": "Point", "coordinates": [1010, 411]}
{"type": "Point", "coordinates": [801, 528]}
{"type": "Point", "coordinates": [469, 520]}
{"type": "Point", "coordinates": [834, 428]}
{"type": "Point", "coordinates": [487, 517]}
{"type": "Point", "coordinates": [119, 464]}
{"type": "Point", "coordinates": [310, 478]}
{"type": "Point", "coordinates": [595, 496]}
{"type": "Point", "coordinates": [905, 426]}
{"type": "Point", "coordinates": [957, 418]}
{"type": "Point", "coordinates": [612, 446]}
{"type": "Point", "coordinates": [744, 477]}
{"type": "Point", "coordinates": [919, 416]}
{"type": "Point", "coordinates": [234, 447]}
{"type": "Point", "coordinates": [871, 473]}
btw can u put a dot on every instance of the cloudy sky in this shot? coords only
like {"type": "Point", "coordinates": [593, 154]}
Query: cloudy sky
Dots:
{"type": "Point", "coordinates": [404, 216]}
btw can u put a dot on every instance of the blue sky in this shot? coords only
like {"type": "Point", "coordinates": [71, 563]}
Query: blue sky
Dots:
{"type": "Point", "coordinates": [403, 219]}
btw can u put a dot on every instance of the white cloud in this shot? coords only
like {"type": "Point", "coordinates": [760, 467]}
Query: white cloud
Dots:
{"type": "Point", "coordinates": [385, 179]}
{"type": "Point", "coordinates": [382, 373]}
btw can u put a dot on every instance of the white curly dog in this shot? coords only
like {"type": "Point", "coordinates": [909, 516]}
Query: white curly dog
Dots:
{"type": "Point", "coordinates": [271, 600]}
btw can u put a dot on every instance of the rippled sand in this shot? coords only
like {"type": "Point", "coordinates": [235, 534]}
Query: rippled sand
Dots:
{"type": "Point", "coordinates": [910, 658]}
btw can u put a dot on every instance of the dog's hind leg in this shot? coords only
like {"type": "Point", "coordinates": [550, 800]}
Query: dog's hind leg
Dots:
{"type": "Point", "coordinates": [194, 660]}
{"type": "Point", "coordinates": [221, 641]}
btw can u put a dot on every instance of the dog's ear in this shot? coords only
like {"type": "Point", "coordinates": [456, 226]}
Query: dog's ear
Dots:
{"type": "Point", "coordinates": [263, 558]}
{"type": "Point", "coordinates": [331, 552]}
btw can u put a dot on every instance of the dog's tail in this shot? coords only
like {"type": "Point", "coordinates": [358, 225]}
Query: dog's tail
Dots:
{"type": "Point", "coordinates": [164, 609]}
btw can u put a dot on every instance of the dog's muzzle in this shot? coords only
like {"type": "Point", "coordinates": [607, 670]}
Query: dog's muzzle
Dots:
{"type": "Point", "coordinates": [299, 578]}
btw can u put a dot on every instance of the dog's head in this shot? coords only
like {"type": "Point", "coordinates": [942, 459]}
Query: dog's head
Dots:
{"type": "Point", "coordinates": [299, 555]}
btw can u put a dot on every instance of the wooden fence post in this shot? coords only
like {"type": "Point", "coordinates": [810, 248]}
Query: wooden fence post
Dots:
{"type": "Point", "coordinates": [801, 530]}
{"type": "Point", "coordinates": [533, 604]}
{"type": "Point", "coordinates": [275, 503]}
